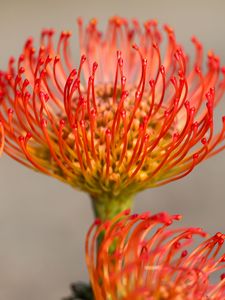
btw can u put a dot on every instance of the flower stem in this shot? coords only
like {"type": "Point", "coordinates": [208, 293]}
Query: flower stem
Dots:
{"type": "Point", "coordinates": [105, 208]}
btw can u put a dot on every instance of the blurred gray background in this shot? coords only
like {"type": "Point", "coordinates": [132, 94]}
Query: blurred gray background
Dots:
{"type": "Point", "coordinates": [43, 222]}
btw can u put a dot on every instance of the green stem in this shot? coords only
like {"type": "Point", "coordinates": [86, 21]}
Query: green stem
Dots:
{"type": "Point", "coordinates": [105, 208]}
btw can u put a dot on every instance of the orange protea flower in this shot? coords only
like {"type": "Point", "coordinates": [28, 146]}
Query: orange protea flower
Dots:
{"type": "Point", "coordinates": [141, 258]}
{"type": "Point", "coordinates": [127, 118]}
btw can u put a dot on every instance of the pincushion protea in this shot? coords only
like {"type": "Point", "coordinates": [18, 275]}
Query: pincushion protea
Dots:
{"type": "Point", "coordinates": [127, 118]}
{"type": "Point", "coordinates": [141, 258]}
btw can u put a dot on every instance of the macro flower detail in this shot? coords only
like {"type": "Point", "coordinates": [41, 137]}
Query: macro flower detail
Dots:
{"type": "Point", "coordinates": [141, 258]}
{"type": "Point", "coordinates": [126, 119]}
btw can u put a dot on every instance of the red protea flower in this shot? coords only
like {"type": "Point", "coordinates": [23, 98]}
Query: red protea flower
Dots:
{"type": "Point", "coordinates": [141, 258]}
{"type": "Point", "coordinates": [127, 118]}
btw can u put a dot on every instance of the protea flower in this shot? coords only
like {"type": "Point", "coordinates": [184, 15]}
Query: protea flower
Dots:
{"type": "Point", "coordinates": [141, 258]}
{"type": "Point", "coordinates": [126, 118]}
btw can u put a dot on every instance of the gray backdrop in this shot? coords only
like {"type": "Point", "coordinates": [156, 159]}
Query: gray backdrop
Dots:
{"type": "Point", "coordinates": [42, 221]}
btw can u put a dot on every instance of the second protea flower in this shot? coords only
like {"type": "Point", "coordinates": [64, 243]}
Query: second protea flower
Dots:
{"type": "Point", "coordinates": [140, 257]}
{"type": "Point", "coordinates": [126, 119]}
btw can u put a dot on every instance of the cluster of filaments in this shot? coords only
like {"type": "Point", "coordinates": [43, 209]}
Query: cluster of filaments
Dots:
{"type": "Point", "coordinates": [141, 258]}
{"type": "Point", "coordinates": [125, 119]}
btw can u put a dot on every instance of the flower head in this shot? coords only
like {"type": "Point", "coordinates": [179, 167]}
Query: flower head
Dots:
{"type": "Point", "coordinates": [141, 258]}
{"type": "Point", "coordinates": [126, 118]}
